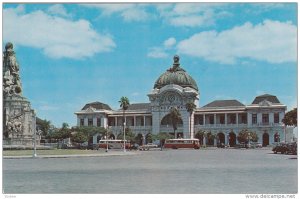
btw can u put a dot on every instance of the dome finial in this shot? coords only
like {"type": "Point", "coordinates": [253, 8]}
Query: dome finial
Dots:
{"type": "Point", "coordinates": [176, 62]}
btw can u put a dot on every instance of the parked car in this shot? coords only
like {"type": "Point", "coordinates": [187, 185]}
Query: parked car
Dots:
{"type": "Point", "coordinates": [148, 146]}
{"type": "Point", "coordinates": [292, 148]}
{"type": "Point", "coordinates": [134, 147]}
{"type": "Point", "coordinates": [255, 145]}
{"type": "Point", "coordinates": [281, 148]}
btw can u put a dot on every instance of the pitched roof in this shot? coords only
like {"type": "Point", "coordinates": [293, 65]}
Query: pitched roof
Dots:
{"type": "Point", "coordinates": [97, 106]}
{"type": "Point", "coordinates": [270, 98]}
{"type": "Point", "coordinates": [223, 103]}
{"type": "Point", "coordinates": [139, 106]}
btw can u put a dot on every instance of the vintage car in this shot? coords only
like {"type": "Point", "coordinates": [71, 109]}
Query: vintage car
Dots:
{"type": "Point", "coordinates": [148, 146]}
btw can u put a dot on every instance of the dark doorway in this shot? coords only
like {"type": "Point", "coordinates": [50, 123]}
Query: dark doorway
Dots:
{"type": "Point", "coordinates": [220, 138]}
{"type": "Point", "coordinates": [265, 139]}
{"type": "Point", "coordinates": [232, 139]}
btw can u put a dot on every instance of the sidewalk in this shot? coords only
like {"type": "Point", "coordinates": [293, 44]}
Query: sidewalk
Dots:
{"type": "Point", "coordinates": [101, 154]}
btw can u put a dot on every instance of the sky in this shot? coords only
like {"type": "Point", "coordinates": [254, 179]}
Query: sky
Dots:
{"type": "Point", "coordinates": [73, 54]}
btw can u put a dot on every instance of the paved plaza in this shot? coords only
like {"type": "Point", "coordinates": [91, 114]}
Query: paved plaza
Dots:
{"type": "Point", "coordinates": [204, 171]}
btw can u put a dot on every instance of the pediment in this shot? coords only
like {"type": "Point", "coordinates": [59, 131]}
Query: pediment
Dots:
{"type": "Point", "coordinates": [265, 103]}
{"type": "Point", "coordinates": [90, 109]}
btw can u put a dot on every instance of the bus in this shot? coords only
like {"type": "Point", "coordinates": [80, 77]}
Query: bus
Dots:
{"type": "Point", "coordinates": [182, 143]}
{"type": "Point", "coordinates": [113, 144]}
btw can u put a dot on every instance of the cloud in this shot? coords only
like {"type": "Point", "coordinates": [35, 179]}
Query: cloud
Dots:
{"type": "Point", "coordinates": [157, 52]}
{"type": "Point", "coordinates": [270, 41]}
{"type": "Point", "coordinates": [191, 14]}
{"type": "Point", "coordinates": [161, 52]}
{"type": "Point", "coordinates": [59, 10]}
{"type": "Point", "coordinates": [170, 42]}
{"type": "Point", "coordinates": [129, 12]}
{"type": "Point", "coordinates": [56, 36]}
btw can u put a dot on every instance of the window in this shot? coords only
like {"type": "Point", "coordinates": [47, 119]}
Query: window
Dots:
{"type": "Point", "coordinates": [276, 118]}
{"type": "Point", "coordinates": [265, 118]}
{"type": "Point", "coordinates": [254, 118]}
{"type": "Point", "coordinates": [81, 122]}
{"type": "Point", "coordinates": [201, 119]}
{"type": "Point", "coordinates": [211, 119]}
{"type": "Point", "coordinates": [98, 121]}
{"type": "Point", "coordinates": [90, 122]}
{"type": "Point", "coordinates": [244, 119]}
{"type": "Point", "coordinates": [222, 119]}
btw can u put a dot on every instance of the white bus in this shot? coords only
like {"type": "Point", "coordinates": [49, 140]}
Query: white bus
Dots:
{"type": "Point", "coordinates": [114, 144]}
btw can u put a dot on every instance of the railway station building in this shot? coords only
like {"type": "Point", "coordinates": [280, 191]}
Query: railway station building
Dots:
{"type": "Point", "coordinates": [175, 88]}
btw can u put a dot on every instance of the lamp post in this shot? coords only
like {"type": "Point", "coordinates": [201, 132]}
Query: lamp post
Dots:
{"type": "Point", "coordinates": [124, 136]}
{"type": "Point", "coordinates": [34, 144]}
{"type": "Point", "coordinates": [106, 138]}
{"type": "Point", "coordinates": [249, 140]}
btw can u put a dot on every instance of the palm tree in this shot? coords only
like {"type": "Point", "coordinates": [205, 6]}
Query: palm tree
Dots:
{"type": "Point", "coordinates": [190, 107]}
{"type": "Point", "coordinates": [175, 117]}
{"type": "Point", "coordinates": [124, 104]}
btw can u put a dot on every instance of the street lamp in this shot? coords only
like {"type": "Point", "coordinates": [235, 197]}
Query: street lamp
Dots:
{"type": "Point", "coordinates": [124, 136]}
{"type": "Point", "coordinates": [34, 145]}
{"type": "Point", "coordinates": [249, 140]}
{"type": "Point", "coordinates": [106, 138]}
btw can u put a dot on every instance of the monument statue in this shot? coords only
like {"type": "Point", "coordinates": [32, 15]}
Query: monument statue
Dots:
{"type": "Point", "coordinates": [11, 79]}
{"type": "Point", "coordinates": [18, 117]}
{"type": "Point", "coordinates": [176, 65]}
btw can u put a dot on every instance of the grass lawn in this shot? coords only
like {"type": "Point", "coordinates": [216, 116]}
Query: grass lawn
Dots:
{"type": "Point", "coordinates": [49, 152]}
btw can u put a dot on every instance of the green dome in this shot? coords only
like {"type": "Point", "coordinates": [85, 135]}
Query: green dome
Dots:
{"type": "Point", "coordinates": [176, 75]}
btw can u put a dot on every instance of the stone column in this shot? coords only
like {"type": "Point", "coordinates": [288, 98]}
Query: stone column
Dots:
{"type": "Point", "coordinates": [144, 120]}
{"type": "Point", "coordinates": [259, 118]}
{"type": "Point", "coordinates": [237, 119]}
{"type": "Point", "coordinates": [204, 120]}
{"type": "Point", "coordinates": [192, 125]}
{"type": "Point", "coordinates": [215, 119]}
{"type": "Point", "coordinates": [249, 119]}
{"type": "Point", "coordinates": [225, 119]}
{"type": "Point", "coordinates": [271, 118]}
{"type": "Point", "coordinates": [94, 121]}
{"type": "Point", "coordinates": [226, 138]}
{"type": "Point", "coordinates": [85, 121]}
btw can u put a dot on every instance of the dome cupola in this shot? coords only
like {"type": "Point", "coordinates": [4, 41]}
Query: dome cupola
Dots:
{"type": "Point", "coordinates": [176, 75]}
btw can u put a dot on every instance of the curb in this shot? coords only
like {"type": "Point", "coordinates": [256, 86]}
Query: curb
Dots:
{"type": "Point", "coordinates": [71, 156]}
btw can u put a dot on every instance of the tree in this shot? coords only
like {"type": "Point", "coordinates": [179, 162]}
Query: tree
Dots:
{"type": "Point", "coordinates": [162, 137]}
{"type": "Point", "coordinates": [65, 131]}
{"type": "Point", "coordinates": [190, 107]}
{"type": "Point", "coordinates": [79, 137]}
{"type": "Point", "coordinates": [210, 138]}
{"type": "Point", "coordinates": [199, 135]}
{"type": "Point", "coordinates": [124, 104]}
{"type": "Point", "coordinates": [245, 135]}
{"type": "Point", "coordinates": [175, 117]}
{"type": "Point", "coordinates": [45, 126]}
{"type": "Point", "coordinates": [290, 118]}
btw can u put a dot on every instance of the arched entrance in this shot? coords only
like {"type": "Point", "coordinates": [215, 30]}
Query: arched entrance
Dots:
{"type": "Point", "coordinates": [276, 137]}
{"type": "Point", "coordinates": [232, 139]}
{"type": "Point", "coordinates": [168, 121]}
{"type": "Point", "coordinates": [167, 126]}
{"type": "Point", "coordinates": [139, 139]}
{"type": "Point", "coordinates": [265, 139]}
{"type": "Point", "coordinates": [220, 138]}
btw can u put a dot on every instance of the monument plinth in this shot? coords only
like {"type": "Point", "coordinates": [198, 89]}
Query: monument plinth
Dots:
{"type": "Point", "coordinates": [18, 118]}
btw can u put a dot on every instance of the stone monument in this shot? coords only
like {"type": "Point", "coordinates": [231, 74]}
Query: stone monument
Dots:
{"type": "Point", "coordinates": [19, 120]}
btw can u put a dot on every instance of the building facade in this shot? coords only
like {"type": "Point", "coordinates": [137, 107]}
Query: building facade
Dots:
{"type": "Point", "coordinates": [174, 89]}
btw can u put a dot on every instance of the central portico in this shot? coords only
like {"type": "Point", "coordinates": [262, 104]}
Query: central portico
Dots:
{"type": "Point", "coordinates": [173, 89]}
